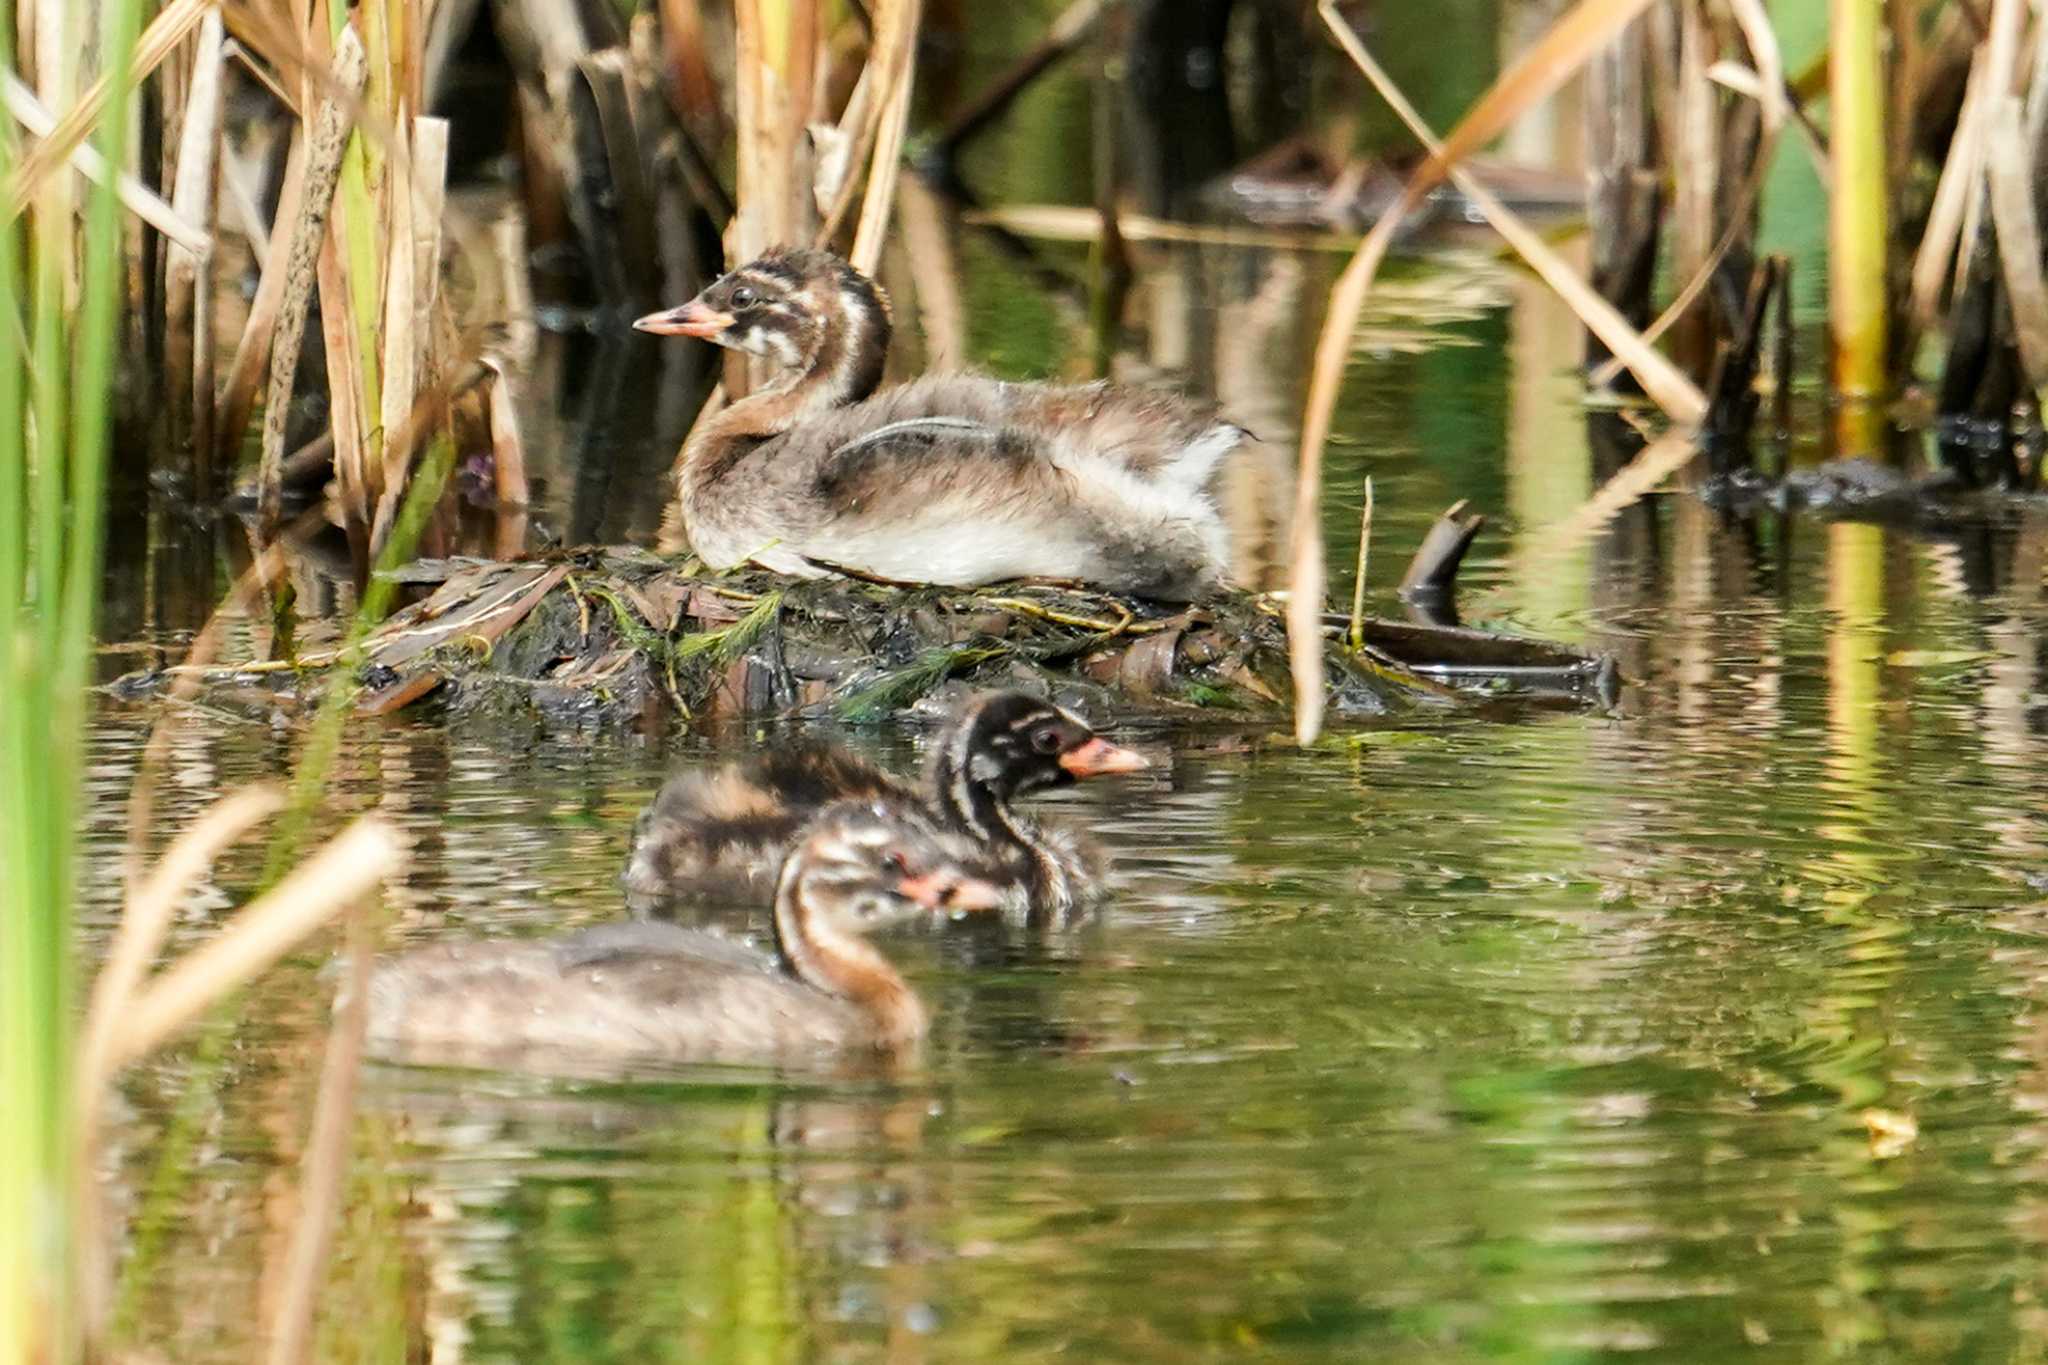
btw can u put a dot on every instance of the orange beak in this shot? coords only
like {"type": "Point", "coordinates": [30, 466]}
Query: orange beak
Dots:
{"type": "Point", "coordinates": [1098, 756]}
{"type": "Point", "coordinates": [950, 891]}
{"type": "Point", "coordinates": [693, 319]}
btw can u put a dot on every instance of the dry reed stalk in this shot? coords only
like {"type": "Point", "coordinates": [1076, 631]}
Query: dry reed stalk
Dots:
{"type": "Point", "coordinates": [341, 872]}
{"type": "Point", "coordinates": [1666, 386]}
{"type": "Point", "coordinates": [188, 274]}
{"type": "Point", "coordinates": [522, 333]}
{"type": "Point", "coordinates": [32, 114]}
{"type": "Point", "coordinates": [346, 419]}
{"type": "Point", "coordinates": [418, 196]}
{"type": "Point", "coordinates": [1624, 198]}
{"type": "Point", "coordinates": [1959, 190]}
{"type": "Point", "coordinates": [1767, 88]}
{"type": "Point", "coordinates": [400, 341]}
{"type": "Point", "coordinates": [778, 51]}
{"type": "Point", "coordinates": [323, 1171]}
{"type": "Point", "coordinates": [1568, 44]}
{"type": "Point", "coordinates": [1695, 162]}
{"type": "Point", "coordinates": [252, 349]}
{"type": "Point", "coordinates": [941, 313]}
{"type": "Point", "coordinates": [896, 44]}
{"type": "Point", "coordinates": [847, 147]}
{"type": "Point", "coordinates": [326, 142]}
{"type": "Point", "coordinates": [146, 919]}
{"type": "Point", "coordinates": [67, 134]}
{"type": "Point", "coordinates": [2009, 164]}
{"type": "Point", "coordinates": [1355, 632]}
{"type": "Point", "coordinates": [685, 49]}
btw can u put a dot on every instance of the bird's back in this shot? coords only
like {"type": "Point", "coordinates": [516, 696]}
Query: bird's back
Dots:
{"type": "Point", "coordinates": [620, 992]}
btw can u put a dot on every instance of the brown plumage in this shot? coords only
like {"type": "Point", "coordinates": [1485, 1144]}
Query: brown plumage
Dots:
{"type": "Point", "coordinates": [654, 992]}
{"type": "Point", "coordinates": [958, 479]}
{"type": "Point", "coordinates": [716, 835]}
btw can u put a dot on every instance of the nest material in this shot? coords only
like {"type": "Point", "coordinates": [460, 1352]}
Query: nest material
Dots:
{"type": "Point", "coordinates": [625, 636]}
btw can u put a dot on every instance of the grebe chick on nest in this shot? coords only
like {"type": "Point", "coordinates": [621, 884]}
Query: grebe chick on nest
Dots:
{"type": "Point", "coordinates": [636, 992]}
{"type": "Point", "coordinates": [957, 479]}
{"type": "Point", "coordinates": [718, 834]}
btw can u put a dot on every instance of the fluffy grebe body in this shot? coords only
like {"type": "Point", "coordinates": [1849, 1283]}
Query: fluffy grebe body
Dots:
{"type": "Point", "coordinates": [655, 992]}
{"type": "Point", "coordinates": [957, 479]}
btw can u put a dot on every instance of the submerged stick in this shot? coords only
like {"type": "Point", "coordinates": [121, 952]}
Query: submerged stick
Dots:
{"type": "Point", "coordinates": [323, 1172]}
{"type": "Point", "coordinates": [325, 146]}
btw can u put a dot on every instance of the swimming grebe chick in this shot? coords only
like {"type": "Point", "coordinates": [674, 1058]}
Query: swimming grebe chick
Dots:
{"type": "Point", "coordinates": [717, 835]}
{"type": "Point", "coordinates": [654, 992]}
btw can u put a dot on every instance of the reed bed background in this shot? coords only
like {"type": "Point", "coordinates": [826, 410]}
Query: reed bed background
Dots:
{"type": "Point", "coordinates": [662, 140]}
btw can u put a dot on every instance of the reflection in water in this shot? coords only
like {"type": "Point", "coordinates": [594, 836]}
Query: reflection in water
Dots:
{"type": "Point", "coordinates": [1524, 1037]}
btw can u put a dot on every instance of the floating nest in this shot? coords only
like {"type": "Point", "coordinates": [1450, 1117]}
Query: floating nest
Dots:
{"type": "Point", "coordinates": [624, 636]}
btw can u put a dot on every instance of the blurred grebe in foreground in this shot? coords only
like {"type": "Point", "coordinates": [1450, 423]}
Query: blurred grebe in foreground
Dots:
{"type": "Point", "coordinates": [655, 992]}
{"type": "Point", "coordinates": [719, 834]}
{"type": "Point", "coordinates": [958, 479]}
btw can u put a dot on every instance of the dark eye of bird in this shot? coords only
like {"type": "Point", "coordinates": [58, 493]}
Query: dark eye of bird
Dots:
{"type": "Point", "coordinates": [1046, 741]}
{"type": "Point", "coordinates": [743, 297]}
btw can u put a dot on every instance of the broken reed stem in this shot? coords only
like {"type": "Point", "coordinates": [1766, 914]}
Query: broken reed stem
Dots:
{"type": "Point", "coordinates": [187, 272]}
{"type": "Point", "coordinates": [65, 136]}
{"type": "Point", "coordinates": [1356, 633]}
{"type": "Point", "coordinates": [325, 145]}
{"type": "Point", "coordinates": [1568, 44]}
{"type": "Point", "coordinates": [895, 46]}
{"type": "Point", "coordinates": [252, 350]}
{"type": "Point", "coordinates": [345, 869]}
{"type": "Point", "coordinates": [2009, 164]}
{"type": "Point", "coordinates": [323, 1172]}
{"type": "Point", "coordinates": [138, 198]}
{"type": "Point", "coordinates": [1770, 97]}
{"type": "Point", "coordinates": [1857, 223]}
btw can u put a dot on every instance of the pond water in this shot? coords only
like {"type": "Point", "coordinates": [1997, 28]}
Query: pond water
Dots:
{"type": "Point", "coordinates": [1706, 1027]}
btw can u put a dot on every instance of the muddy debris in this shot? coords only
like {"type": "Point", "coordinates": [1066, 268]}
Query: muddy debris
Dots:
{"type": "Point", "coordinates": [621, 636]}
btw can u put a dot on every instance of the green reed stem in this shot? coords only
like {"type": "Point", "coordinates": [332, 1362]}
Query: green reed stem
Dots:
{"type": "Point", "coordinates": [54, 425]}
{"type": "Point", "coordinates": [1857, 302]}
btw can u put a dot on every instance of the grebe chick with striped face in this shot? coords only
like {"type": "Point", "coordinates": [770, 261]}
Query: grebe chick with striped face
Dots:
{"type": "Point", "coordinates": [959, 478]}
{"type": "Point", "coordinates": [637, 992]}
{"type": "Point", "coordinates": [717, 835]}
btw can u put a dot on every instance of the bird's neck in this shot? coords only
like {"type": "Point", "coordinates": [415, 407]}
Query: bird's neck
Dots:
{"type": "Point", "coordinates": [979, 809]}
{"type": "Point", "coordinates": [847, 966]}
{"type": "Point", "coordinates": [843, 365]}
